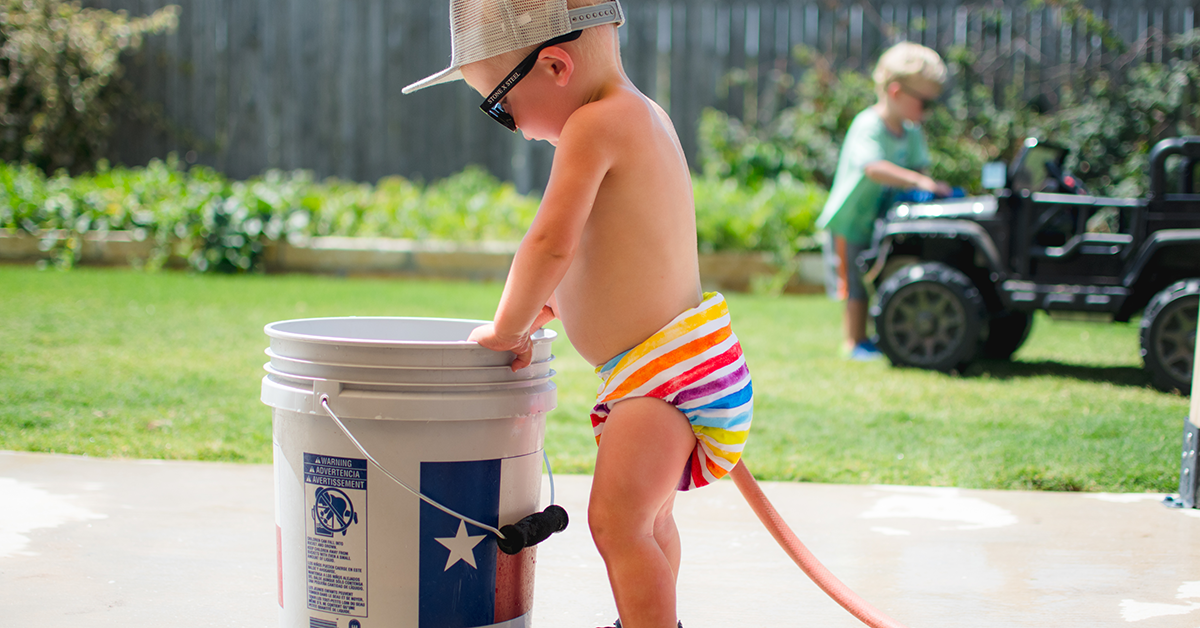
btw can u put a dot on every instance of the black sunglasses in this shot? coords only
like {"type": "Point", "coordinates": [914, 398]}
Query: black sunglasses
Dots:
{"type": "Point", "coordinates": [492, 105]}
{"type": "Point", "coordinates": [926, 103]}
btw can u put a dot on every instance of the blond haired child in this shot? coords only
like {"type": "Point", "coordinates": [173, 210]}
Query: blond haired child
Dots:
{"type": "Point", "coordinates": [884, 150]}
{"type": "Point", "coordinates": [612, 254]}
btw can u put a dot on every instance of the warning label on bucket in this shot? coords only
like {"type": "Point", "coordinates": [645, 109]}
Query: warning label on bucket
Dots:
{"type": "Point", "coordinates": [335, 498]}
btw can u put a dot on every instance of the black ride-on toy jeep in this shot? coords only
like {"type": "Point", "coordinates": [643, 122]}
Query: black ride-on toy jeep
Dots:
{"type": "Point", "coordinates": [959, 279]}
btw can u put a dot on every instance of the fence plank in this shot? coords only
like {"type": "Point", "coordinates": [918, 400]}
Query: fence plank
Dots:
{"type": "Point", "coordinates": [246, 85]}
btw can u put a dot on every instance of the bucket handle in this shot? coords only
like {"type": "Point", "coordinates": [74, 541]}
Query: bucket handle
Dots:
{"type": "Point", "coordinates": [427, 500]}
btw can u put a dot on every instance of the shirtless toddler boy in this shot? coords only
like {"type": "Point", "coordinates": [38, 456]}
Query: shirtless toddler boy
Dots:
{"type": "Point", "coordinates": [612, 254]}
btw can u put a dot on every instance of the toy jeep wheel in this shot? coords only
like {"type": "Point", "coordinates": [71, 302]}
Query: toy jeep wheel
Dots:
{"type": "Point", "coordinates": [1007, 331]}
{"type": "Point", "coordinates": [929, 316]}
{"type": "Point", "coordinates": [1168, 335]}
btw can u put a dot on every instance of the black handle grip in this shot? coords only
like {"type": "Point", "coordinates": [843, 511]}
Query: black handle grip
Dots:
{"type": "Point", "coordinates": [532, 529]}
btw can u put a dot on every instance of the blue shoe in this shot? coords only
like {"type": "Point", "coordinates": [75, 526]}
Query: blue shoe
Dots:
{"type": "Point", "coordinates": [865, 351]}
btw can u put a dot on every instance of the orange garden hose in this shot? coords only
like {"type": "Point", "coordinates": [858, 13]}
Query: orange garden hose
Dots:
{"type": "Point", "coordinates": [823, 578]}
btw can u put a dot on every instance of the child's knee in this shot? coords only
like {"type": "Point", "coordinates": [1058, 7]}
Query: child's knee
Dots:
{"type": "Point", "coordinates": [606, 526]}
{"type": "Point", "coordinates": [613, 522]}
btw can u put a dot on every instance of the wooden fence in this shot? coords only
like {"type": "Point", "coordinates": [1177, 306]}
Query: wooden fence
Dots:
{"type": "Point", "coordinates": [248, 85]}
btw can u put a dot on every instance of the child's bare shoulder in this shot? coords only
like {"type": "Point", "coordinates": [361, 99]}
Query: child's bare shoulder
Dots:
{"type": "Point", "coordinates": [620, 115]}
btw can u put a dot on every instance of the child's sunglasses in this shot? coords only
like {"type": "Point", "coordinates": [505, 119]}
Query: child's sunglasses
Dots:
{"type": "Point", "coordinates": [492, 105]}
{"type": "Point", "coordinates": [926, 103]}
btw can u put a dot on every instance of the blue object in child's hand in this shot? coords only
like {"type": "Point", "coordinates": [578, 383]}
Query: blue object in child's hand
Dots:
{"type": "Point", "coordinates": [924, 196]}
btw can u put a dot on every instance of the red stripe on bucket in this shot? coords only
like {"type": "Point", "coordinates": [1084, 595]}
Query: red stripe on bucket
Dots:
{"type": "Point", "coordinates": [279, 560]}
{"type": "Point", "coordinates": [514, 584]}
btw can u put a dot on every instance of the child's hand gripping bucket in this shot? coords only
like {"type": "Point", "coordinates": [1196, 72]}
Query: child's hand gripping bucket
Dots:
{"type": "Point", "coordinates": [444, 416]}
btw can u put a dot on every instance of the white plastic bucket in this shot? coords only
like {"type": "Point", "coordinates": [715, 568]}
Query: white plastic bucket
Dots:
{"type": "Point", "coordinates": [446, 417]}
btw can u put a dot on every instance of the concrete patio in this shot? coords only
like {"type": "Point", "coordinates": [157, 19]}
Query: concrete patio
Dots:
{"type": "Point", "coordinates": [91, 542]}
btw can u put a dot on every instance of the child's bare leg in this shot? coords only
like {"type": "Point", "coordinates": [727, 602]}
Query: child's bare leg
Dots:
{"type": "Point", "coordinates": [856, 322]}
{"type": "Point", "coordinates": [643, 450]}
{"type": "Point", "coordinates": [667, 535]}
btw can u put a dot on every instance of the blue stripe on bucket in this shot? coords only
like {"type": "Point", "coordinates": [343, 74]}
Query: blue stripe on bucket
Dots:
{"type": "Point", "coordinates": [453, 592]}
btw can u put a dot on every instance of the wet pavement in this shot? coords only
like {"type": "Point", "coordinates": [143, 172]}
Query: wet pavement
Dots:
{"type": "Point", "coordinates": [92, 542]}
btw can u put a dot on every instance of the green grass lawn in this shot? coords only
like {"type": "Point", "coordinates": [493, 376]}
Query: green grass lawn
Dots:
{"type": "Point", "coordinates": [122, 363]}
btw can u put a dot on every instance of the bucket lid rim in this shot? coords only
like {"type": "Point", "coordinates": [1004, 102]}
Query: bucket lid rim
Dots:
{"type": "Point", "coordinates": [273, 332]}
{"type": "Point", "coordinates": [525, 382]}
{"type": "Point", "coordinates": [399, 367]}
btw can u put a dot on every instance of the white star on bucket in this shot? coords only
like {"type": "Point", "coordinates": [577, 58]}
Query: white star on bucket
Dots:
{"type": "Point", "coordinates": [461, 546]}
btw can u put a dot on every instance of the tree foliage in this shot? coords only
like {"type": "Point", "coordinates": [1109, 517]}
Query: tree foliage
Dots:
{"type": "Point", "coordinates": [60, 74]}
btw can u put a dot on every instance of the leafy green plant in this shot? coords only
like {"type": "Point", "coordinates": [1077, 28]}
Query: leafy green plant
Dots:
{"type": "Point", "coordinates": [802, 141]}
{"type": "Point", "coordinates": [472, 205]}
{"type": "Point", "coordinates": [59, 78]}
{"type": "Point", "coordinates": [221, 225]}
{"type": "Point", "coordinates": [1112, 122]}
{"type": "Point", "coordinates": [778, 217]}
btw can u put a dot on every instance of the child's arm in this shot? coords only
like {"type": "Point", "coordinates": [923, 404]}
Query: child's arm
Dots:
{"type": "Point", "coordinates": [580, 163]}
{"type": "Point", "coordinates": [486, 336]}
{"type": "Point", "coordinates": [887, 173]}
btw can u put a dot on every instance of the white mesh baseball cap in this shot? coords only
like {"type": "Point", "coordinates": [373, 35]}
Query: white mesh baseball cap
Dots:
{"type": "Point", "coordinates": [480, 29]}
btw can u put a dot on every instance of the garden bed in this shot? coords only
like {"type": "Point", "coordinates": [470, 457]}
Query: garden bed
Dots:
{"type": "Point", "coordinates": [334, 255]}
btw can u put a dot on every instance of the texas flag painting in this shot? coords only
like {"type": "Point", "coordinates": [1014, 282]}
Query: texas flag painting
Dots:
{"type": "Point", "coordinates": [465, 581]}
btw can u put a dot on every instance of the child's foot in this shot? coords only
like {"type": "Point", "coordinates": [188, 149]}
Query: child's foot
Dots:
{"type": "Point", "coordinates": [865, 351]}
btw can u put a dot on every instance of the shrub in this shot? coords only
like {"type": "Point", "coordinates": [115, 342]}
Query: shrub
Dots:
{"type": "Point", "coordinates": [221, 225]}
{"type": "Point", "coordinates": [777, 217]}
{"type": "Point", "coordinates": [802, 141]}
{"type": "Point", "coordinates": [1110, 118]}
{"type": "Point", "coordinates": [59, 78]}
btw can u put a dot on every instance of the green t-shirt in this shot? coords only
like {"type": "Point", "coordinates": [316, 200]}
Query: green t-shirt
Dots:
{"type": "Point", "coordinates": [854, 200]}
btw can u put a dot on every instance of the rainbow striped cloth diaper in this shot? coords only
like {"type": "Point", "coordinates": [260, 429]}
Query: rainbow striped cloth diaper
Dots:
{"type": "Point", "coordinates": [695, 363]}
